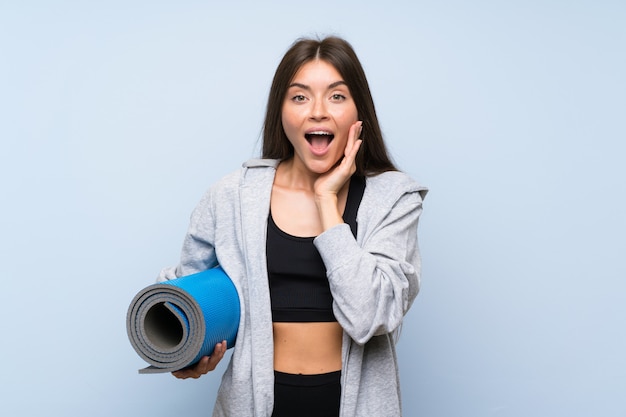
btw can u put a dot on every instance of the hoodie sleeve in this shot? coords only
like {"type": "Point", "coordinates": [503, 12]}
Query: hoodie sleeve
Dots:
{"type": "Point", "coordinates": [374, 283]}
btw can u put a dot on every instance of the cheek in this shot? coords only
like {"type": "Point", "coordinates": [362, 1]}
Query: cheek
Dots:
{"type": "Point", "coordinates": [287, 122]}
{"type": "Point", "coordinates": [348, 115]}
{"type": "Point", "coordinates": [290, 117]}
{"type": "Point", "coordinates": [291, 131]}
{"type": "Point", "coordinates": [347, 119]}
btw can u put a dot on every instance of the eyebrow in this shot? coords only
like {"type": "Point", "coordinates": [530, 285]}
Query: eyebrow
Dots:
{"type": "Point", "coordinates": [306, 87]}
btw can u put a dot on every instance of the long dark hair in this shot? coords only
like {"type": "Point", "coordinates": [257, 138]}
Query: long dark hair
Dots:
{"type": "Point", "coordinates": [373, 157]}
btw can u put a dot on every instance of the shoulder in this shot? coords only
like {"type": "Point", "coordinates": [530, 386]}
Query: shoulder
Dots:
{"type": "Point", "coordinates": [261, 163]}
{"type": "Point", "coordinates": [251, 170]}
{"type": "Point", "coordinates": [392, 201]}
{"type": "Point", "coordinates": [391, 185]}
{"type": "Point", "coordinates": [226, 190]}
{"type": "Point", "coordinates": [391, 192]}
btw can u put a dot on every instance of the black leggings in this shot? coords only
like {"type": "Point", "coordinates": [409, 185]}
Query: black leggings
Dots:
{"type": "Point", "coordinates": [307, 395]}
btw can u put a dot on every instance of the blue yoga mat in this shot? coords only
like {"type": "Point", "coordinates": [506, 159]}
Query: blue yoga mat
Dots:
{"type": "Point", "coordinates": [173, 324]}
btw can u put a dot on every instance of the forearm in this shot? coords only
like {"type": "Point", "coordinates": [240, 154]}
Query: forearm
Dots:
{"type": "Point", "coordinates": [371, 292]}
{"type": "Point", "coordinates": [374, 278]}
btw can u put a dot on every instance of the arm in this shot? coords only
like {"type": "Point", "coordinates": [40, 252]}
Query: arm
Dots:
{"type": "Point", "coordinates": [374, 285]}
{"type": "Point", "coordinates": [198, 254]}
{"type": "Point", "coordinates": [198, 251]}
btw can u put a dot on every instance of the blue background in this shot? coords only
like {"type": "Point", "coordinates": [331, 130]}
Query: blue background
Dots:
{"type": "Point", "coordinates": [116, 116]}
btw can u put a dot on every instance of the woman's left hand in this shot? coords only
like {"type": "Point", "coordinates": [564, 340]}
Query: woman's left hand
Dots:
{"type": "Point", "coordinates": [330, 183]}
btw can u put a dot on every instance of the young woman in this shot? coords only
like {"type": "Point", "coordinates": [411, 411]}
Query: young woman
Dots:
{"type": "Point", "coordinates": [320, 238]}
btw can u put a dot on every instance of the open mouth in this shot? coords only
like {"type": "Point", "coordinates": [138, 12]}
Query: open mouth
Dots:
{"type": "Point", "coordinates": [319, 140]}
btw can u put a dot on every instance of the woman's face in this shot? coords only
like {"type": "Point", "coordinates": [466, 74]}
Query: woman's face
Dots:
{"type": "Point", "coordinates": [317, 113]}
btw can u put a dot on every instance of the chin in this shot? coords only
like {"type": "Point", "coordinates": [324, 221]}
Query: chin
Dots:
{"type": "Point", "coordinates": [320, 167]}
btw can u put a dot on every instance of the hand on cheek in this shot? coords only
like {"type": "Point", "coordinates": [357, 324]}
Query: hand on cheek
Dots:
{"type": "Point", "coordinates": [328, 185]}
{"type": "Point", "coordinates": [331, 182]}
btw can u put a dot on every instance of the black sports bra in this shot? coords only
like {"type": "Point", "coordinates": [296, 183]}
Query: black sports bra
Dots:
{"type": "Point", "coordinates": [299, 288]}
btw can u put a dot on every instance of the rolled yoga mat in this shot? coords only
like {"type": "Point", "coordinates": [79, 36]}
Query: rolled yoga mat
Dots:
{"type": "Point", "coordinates": [173, 324]}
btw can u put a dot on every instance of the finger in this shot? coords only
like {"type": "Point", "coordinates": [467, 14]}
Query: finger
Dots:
{"type": "Point", "coordinates": [356, 147]}
{"type": "Point", "coordinates": [206, 363]}
{"type": "Point", "coordinates": [350, 156]}
{"type": "Point", "coordinates": [216, 357]}
{"type": "Point", "coordinates": [209, 363]}
{"type": "Point", "coordinates": [353, 135]}
{"type": "Point", "coordinates": [194, 371]}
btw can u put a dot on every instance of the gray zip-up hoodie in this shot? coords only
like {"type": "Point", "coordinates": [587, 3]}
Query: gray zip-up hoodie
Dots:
{"type": "Point", "coordinates": [373, 278]}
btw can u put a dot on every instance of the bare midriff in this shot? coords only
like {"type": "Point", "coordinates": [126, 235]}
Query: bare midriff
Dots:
{"type": "Point", "coordinates": [307, 348]}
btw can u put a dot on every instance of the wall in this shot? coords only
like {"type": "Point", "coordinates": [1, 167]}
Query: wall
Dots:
{"type": "Point", "coordinates": [116, 116]}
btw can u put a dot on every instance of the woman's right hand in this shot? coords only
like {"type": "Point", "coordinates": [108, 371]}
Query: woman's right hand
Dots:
{"type": "Point", "coordinates": [205, 365]}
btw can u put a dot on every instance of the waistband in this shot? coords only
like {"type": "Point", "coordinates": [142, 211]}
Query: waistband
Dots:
{"type": "Point", "coordinates": [300, 380]}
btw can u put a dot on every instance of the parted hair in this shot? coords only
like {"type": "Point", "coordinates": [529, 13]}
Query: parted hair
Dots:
{"type": "Point", "coordinates": [373, 157]}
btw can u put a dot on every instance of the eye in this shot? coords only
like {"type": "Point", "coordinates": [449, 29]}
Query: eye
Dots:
{"type": "Point", "coordinates": [299, 98]}
{"type": "Point", "coordinates": [337, 97]}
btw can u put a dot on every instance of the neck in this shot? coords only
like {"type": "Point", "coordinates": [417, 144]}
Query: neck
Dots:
{"type": "Point", "coordinates": [296, 176]}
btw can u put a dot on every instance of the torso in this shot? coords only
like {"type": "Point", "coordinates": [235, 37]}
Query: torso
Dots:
{"type": "Point", "coordinates": [307, 348]}
{"type": "Point", "coordinates": [310, 347]}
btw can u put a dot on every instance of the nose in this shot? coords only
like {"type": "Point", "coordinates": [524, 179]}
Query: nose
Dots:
{"type": "Point", "coordinates": [319, 110]}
